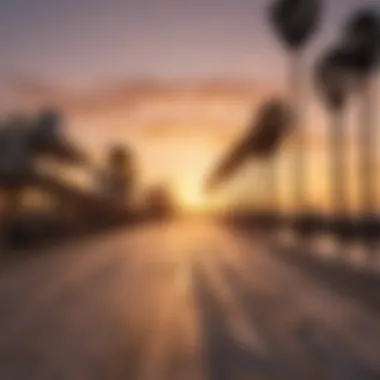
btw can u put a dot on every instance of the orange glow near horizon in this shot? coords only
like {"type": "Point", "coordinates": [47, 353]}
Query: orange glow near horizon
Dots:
{"type": "Point", "coordinates": [192, 200]}
{"type": "Point", "coordinates": [179, 132]}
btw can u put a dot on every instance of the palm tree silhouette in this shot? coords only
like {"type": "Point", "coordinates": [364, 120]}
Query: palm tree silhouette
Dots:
{"type": "Point", "coordinates": [363, 38]}
{"type": "Point", "coordinates": [48, 140]}
{"type": "Point", "coordinates": [265, 134]}
{"type": "Point", "coordinates": [333, 80]}
{"type": "Point", "coordinates": [295, 21]}
{"type": "Point", "coordinates": [120, 173]}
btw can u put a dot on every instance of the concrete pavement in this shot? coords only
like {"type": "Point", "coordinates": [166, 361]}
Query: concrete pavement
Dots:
{"type": "Point", "coordinates": [176, 302]}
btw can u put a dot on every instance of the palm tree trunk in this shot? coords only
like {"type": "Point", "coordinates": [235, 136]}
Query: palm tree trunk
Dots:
{"type": "Point", "coordinates": [367, 172]}
{"type": "Point", "coordinates": [275, 208]}
{"type": "Point", "coordinates": [10, 213]}
{"type": "Point", "coordinates": [296, 93]}
{"type": "Point", "coordinates": [338, 165]}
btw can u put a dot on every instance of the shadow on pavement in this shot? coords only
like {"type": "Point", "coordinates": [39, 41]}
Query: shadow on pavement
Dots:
{"type": "Point", "coordinates": [294, 346]}
{"type": "Point", "coordinates": [226, 356]}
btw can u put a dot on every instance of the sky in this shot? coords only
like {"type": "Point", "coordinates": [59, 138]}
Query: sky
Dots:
{"type": "Point", "coordinates": [176, 80]}
{"type": "Point", "coordinates": [79, 42]}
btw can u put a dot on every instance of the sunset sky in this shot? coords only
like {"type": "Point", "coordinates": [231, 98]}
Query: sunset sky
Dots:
{"type": "Point", "coordinates": [176, 80]}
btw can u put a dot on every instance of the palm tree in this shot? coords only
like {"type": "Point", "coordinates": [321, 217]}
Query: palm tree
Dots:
{"type": "Point", "coordinates": [262, 141]}
{"type": "Point", "coordinates": [120, 172]}
{"type": "Point", "coordinates": [47, 139]}
{"type": "Point", "coordinates": [15, 166]}
{"type": "Point", "coordinates": [334, 82]}
{"type": "Point", "coordinates": [295, 21]}
{"type": "Point", "coordinates": [363, 37]}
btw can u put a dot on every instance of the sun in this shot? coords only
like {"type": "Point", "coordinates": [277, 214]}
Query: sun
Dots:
{"type": "Point", "coordinates": [191, 198]}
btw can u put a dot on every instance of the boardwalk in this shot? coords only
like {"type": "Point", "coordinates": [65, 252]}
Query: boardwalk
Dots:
{"type": "Point", "coordinates": [178, 302]}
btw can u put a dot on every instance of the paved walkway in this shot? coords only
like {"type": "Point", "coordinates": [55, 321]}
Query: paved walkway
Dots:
{"type": "Point", "coordinates": [178, 302]}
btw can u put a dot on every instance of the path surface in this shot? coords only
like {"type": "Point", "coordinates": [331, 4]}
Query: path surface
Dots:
{"type": "Point", "coordinates": [178, 302]}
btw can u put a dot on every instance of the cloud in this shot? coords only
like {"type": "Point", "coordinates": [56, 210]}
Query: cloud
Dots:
{"type": "Point", "coordinates": [31, 91]}
{"type": "Point", "coordinates": [148, 113]}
